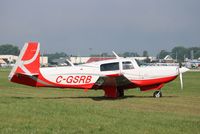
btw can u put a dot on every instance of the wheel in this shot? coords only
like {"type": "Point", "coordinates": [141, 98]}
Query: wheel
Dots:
{"type": "Point", "coordinates": [120, 92]}
{"type": "Point", "coordinates": [157, 94]}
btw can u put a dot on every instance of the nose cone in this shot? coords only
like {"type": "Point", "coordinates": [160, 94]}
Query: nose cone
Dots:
{"type": "Point", "coordinates": [183, 69]}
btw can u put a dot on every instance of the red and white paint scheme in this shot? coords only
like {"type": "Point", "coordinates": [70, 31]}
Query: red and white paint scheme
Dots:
{"type": "Point", "coordinates": [113, 76]}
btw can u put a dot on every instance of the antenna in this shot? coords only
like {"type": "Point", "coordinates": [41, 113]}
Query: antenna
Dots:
{"type": "Point", "coordinates": [115, 55]}
{"type": "Point", "coordinates": [70, 62]}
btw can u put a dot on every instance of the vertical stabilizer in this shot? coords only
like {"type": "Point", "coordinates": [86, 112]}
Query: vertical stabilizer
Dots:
{"type": "Point", "coordinates": [28, 62]}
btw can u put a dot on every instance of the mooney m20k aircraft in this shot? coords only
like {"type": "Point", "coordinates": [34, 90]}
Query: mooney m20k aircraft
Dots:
{"type": "Point", "coordinates": [113, 76]}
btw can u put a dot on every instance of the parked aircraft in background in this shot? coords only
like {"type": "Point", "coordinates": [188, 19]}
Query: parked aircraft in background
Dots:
{"type": "Point", "coordinates": [113, 76]}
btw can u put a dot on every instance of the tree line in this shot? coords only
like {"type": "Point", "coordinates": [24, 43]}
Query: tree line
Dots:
{"type": "Point", "coordinates": [9, 49]}
{"type": "Point", "coordinates": [179, 53]}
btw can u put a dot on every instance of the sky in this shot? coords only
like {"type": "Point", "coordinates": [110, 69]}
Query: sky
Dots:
{"type": "Point", "coordinates": [84, 27]}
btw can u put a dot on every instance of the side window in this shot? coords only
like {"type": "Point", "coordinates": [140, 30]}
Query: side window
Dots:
{"type": "Point", "coordinates": [110, 66]}
{"type": "Point", "coordinates": [127, 65]}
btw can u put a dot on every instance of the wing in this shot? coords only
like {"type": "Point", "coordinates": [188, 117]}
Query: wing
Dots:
{"type": "Point", "coordinates": [113, 80]}
{"type": "Point", "coordinates": [120, 81]}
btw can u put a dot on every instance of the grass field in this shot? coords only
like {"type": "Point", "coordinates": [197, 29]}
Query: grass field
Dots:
{"type": "Point", "coordinates": [28, 110]}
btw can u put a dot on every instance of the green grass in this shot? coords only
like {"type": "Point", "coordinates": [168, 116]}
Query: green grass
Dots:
{"type": "Point", "coordinates": [50, 110]}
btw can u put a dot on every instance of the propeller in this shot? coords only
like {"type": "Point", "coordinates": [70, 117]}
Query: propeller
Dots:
{"type": "Point", "coordinates": [181, 79]}
{"type": "Point", "coordinates": [181, 71]}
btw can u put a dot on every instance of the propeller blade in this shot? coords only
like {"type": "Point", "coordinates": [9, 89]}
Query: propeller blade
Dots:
{"type": "Point", "coordinates": [181, 71]}
{"type": "Point", "coordinates": [181, 80]}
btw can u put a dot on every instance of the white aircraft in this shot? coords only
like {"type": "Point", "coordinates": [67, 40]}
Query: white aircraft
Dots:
{"type": "Point", "coordinates": [113, 76]}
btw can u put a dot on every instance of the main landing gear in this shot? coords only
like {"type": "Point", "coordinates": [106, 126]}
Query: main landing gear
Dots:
{"type": "Point", "coordinates": [120, 92]}
{"type": "Point", "coordinates": [157, 94]}
{"type": "Point", "coordinates": [113, 92]}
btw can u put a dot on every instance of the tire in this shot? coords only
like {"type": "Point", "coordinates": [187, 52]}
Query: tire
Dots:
{"type": "Point", "coordinates": [120, 92]}
{"type": "Point", "coordinates": [157, 94]}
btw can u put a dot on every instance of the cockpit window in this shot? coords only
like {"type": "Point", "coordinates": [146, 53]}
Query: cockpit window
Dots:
{"type": "Point", "coordinates": [127, 65]}
{"type": "Point", "coordinates": [110, 66]}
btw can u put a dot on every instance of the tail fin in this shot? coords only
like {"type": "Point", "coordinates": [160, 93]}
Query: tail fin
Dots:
{"type": "Point", "coordinates": [28, 62]}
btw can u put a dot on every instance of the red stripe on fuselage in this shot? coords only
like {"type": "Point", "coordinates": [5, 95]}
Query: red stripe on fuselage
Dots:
{"type": "Point", "coordinates": [114, 75]}
{"type": "Point", "coordinates": [40, 81]}
{"type": "Point", "coordinates": [146, 82]}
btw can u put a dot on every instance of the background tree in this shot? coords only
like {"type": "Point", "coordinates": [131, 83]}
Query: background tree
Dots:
{"type": "Point", "coordinates": [145, 53]}
{"type": "Point", "coordinates": [197, 54]}
{"type": "Point", "coordinates": [179, 53]}
{"type": "Point", "coordinates": [56, 55]}
{"type": "Point", "coordinates": [130, 54]}
{"type": "Point", "coordinates": [9, 49]}
{"type": "Point", "coordinates": [195, 51]}
{"type": "Point", "coordinates": [104, 54]}
{"type": "Point", "coordinates": [163, 54]}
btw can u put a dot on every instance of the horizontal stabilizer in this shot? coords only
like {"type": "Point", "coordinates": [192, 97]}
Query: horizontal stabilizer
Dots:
{"type": "Point", "coordinates": [32, 74]}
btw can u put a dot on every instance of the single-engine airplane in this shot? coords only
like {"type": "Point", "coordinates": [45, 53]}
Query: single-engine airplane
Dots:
{"type": "Point", "coordinates": [113, 76]}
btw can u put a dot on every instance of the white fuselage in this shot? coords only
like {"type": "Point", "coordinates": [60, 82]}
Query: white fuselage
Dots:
{"type": "Point", "coordinates": [89, 73]}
